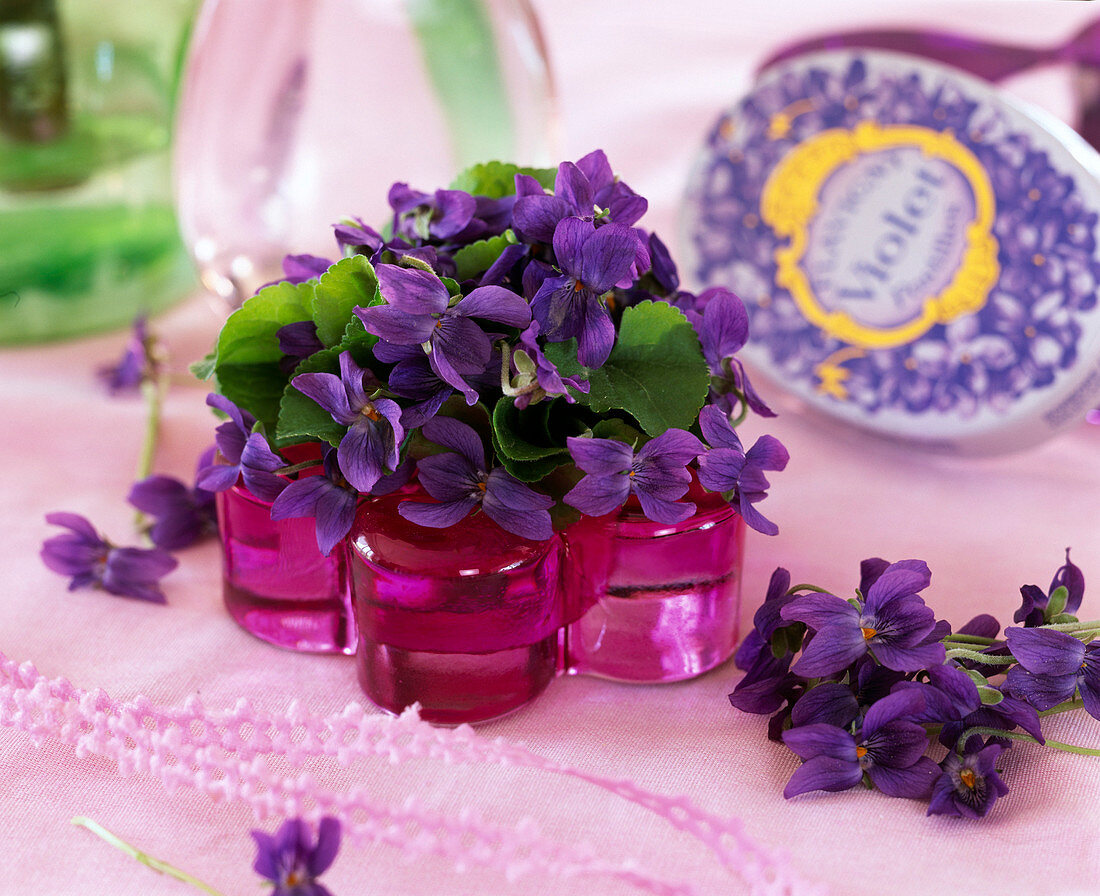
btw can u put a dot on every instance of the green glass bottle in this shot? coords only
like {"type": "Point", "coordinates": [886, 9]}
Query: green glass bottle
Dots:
{"type": "Point", "coordinates": [88, 233]}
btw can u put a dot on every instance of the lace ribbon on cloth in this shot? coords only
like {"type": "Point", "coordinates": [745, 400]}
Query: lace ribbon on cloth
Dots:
{"type": "Point", "coordinates": [227, 754]}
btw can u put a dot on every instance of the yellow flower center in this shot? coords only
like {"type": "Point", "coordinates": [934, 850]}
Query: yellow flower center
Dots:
{"type": "Point", "coordinates": [968, 778]}
{"type": "Point", "coordinates": [861, 752]}
{"type": "Point", "coordinates": [868, 633]}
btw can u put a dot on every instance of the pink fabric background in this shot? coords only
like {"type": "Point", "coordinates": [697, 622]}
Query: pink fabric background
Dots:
{"type": "Point", "coordinates": [643, 81]}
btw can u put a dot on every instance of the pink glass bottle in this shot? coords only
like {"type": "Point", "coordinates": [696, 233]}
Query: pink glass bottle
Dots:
{"type": "Point", "coordinates": [276, 583]}
{"type": "Point", "coordinates": [655, 602]}
{"type": "Point", "coordinates": [463, 620]}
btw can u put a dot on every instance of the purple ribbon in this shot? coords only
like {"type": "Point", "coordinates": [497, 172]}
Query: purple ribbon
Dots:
{"type": "Point", "coordinates": [990, 61]}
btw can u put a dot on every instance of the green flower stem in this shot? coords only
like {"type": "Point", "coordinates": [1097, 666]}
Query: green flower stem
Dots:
{"type": "Point", "coordinates": [152, 390]}
{"type": "Point", "coordinates": [984, 658]}
{"type": "Point", "coordinates": [291, 469]}
{"type": "Point", "coordinates": [1071, 627]}
{"type": "Point", "coordinates": [805, 587]}
{"type": "Point", "coordinates": [1016, 735]}
{"type": "Point", "coordinates": [1067, 706]}
{"type": "Point", "coordinates": [156, 864]}
{"type": "Point", "coordinates": [971, 639]}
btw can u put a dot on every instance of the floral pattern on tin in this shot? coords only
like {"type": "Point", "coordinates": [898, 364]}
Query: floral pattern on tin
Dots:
{"type": "Point", "coordinates": [1030, 326]}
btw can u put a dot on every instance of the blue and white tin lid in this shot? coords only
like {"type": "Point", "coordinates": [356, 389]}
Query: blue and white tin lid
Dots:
{"type": "Point", "coordinates": [917, 250]}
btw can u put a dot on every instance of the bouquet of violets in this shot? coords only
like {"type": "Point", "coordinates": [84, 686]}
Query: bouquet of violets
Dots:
{"type": "Point", "coordinates": [515, 345]}
{"type": "Point", "coordinates": [864, 689]}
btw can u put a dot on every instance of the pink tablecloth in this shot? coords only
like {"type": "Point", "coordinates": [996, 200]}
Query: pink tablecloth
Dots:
{"type": "Point", "coordinates": [643, 81]}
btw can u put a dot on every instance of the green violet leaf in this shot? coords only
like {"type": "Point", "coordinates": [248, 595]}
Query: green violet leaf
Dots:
{"type": "Point", "coordinates": [498, 179]}
{"type": "Point", "coordinates": [349, 283]}
{"type": "Point", "coordinates": [300, 417]}
{"type": "Point", "coordinates": [522, 435]}
{"type": "Point", "coordinates": [204, 369]}
{"type": "Point", "coordinates": [247, 354]}
{"type": "Point", "coordinates": [656, 371]}
{"type": "Point", "coordinates": [477, 258]}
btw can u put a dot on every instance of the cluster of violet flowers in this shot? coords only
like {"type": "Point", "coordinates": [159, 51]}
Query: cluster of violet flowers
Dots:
{"type": "Point", "coordinates": [474, 355]}
{"type": "Point", "coordinates": [865, 690]}
{"type": "Point", "coordinates": [171, 515]}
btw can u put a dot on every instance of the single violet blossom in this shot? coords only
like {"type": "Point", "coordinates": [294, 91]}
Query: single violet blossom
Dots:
{"type": "Point", "coordinates": [460, 481]}
{"type": "Point", "coordinates": [889, 749]}
{"type": "Point", "coordinates": [181, 515]}
{"type": "Point", "coordinates": [300, 268]}
{"type": "Point", "coordinates": [727, 467]}
{"type": "Point", "coordinates": [418, 311]}
{"type": "Point", "coordinates": [244, 455]}
{"type": "Point", "coordinates": [892, 622]}
{"type": "Point", "coordinates": [767, 620]}
{"type": "Point", "coordinates": [1053, 666]}
{"type": "Point", "coordinates": [355, 235]}
{"type": "Point", "coordinates": [93, 562]}
{"type": "Point", "coordinates": [657, 475]}
{"type": "Point", "coordinates": [969, 784]}
{"type": "Point", "coordinates": [536, 377]}
{"type": "Point", "coordinates": [440, 215]}
{"type": "Point", "coordinates": [370, 446]}
{"type": "Point", "coordinates": [326, 497]}
{"type": "Point", "coordinates": [136, 364]}
{"type": "Point", "coordinates": [412, 377]}
{"type": "Point", "coordinates": [297, 341]}
{"type": "Point", "coordinates": [292, 861]}
{"type": "Point", "coordinates": [766, 684]}
{"type": "Point", "coordinates": [1033, 607]}
{"type": "Point", "coordinates": [580, 189]}
{"type": "Point", "coordinates": [723, 328]}
{"type": "Point", "coordinates": [591, 261]}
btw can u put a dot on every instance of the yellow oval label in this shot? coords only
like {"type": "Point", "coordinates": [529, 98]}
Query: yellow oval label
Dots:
{"type": "Point", "coordinates": [889, 228]}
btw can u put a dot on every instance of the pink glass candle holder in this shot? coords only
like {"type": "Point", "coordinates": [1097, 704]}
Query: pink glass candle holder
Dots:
{"type": "Point", "coordinates": [277, 584]}
{"type": "Point", "coordinates": [655, 602]}
{"type": "Point", "coordinates": [463, 620]}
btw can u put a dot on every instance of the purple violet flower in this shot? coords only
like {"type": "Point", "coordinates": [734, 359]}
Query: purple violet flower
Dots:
{"type": "Point", "coordinates": [370, 446]}
{"type": "Point", "coordinates": [892, 622]}
{"type": "Point", "coordinates": [441, 215]}
{"type": "Point", "coordinates": [536, 378]}
{"type": "Point", "coordinates": [1032, 611]}
{"type": "Point", "coordinates": [292, 862]}
{"type": "Point", "coordinates": [137, 363]}
{"type": "Point", "coordinates": [766, 621]}
{"type": "Point", "coordinates": [591, 261]}
{"type": "Point", "coordinates": [181, 515]}
{"type": "Point", "coordinates": [969, 785]}
{"type": "Point", "coordinates": [93, 562]}
{"type": "Point", "coordinates": [723, 328]}
{"type": "Point", "coordinates": [460, 481]}
{"type": "Point", "coordinates": [766, 684]}
{"type": "Point", "coordinates": [300, 268]}
{"type": "Point", "coordinates": [657, 475]}
{"type": "Point", "coordinates": [246, 454]}
{"type": "Point", "coordinates": [726, 467]}
{"type": "Point", "coordinates": [412, 377]}
{"type": "Point", "coordinates": [326, 497]}
{"type": "Point", "coordinates": [889, 749]}
{"type": "Point", "coordinates": [1053, 666]}
{"type": "Point", "coordinates": [579, 190]}
{"type": "Point", "coordinates": [297, 341]}
{"type": "Point", "coordinates": [355, 234]}
{"type": "Point", "coordinates": [418, 311]}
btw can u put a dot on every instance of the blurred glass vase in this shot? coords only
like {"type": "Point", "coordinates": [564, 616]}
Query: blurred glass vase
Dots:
{"type": "Point", "coordinates": [286, 129]}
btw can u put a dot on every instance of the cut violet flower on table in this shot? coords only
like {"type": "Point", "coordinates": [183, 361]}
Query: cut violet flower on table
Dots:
{"type": "Point", "coordinates": [513, 345]}
{"type": "Point", "coordinates": [871, 689]}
